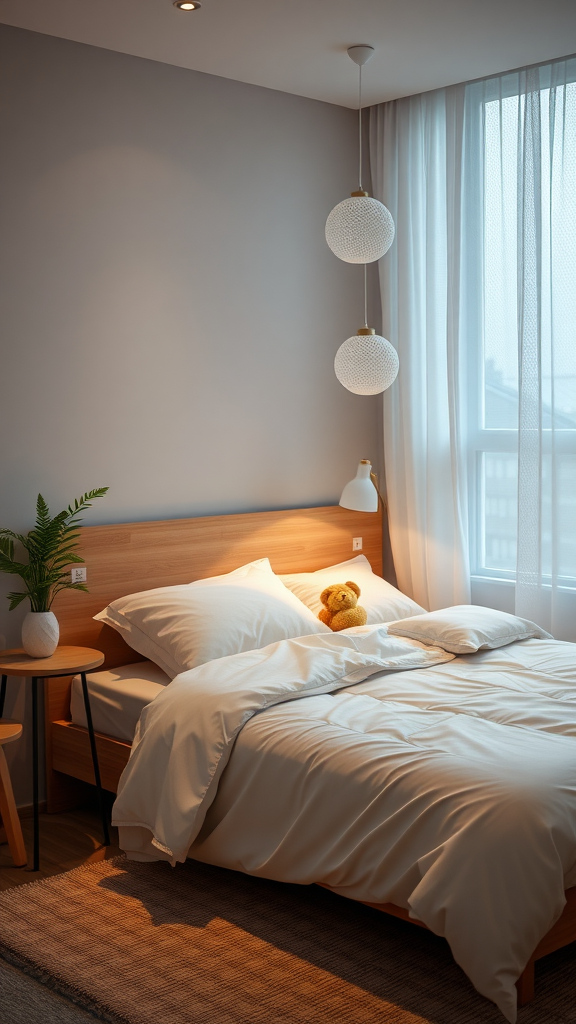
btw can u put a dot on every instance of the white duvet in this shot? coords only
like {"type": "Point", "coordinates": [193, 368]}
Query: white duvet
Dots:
{"type": "Point", "coordinates": [444, 785]}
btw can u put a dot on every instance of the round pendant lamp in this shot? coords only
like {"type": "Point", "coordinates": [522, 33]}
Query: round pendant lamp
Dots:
{"type": "Point", "coordinates": [360, 229]}
{"type": "Point", "coordinates": [367, 363]}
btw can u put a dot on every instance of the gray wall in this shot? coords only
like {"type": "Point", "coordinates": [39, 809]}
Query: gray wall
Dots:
{"type": "Point", "coordinates": [170, 309]}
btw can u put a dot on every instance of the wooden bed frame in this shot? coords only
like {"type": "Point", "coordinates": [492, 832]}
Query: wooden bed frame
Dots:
{"type": "Point", "coordinates": [131, 557]}
{"type": "Point", "coordinates": [127, 558]}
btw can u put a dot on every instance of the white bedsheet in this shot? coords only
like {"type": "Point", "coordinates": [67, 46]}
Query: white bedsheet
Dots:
{"type": "Point", "coordinates": [117, 697]}
{"type": "Point", "coordinates": [449, 791]}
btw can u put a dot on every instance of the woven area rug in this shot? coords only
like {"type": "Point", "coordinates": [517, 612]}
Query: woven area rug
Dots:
{"type": "Point", "coordinates": [143, 943]}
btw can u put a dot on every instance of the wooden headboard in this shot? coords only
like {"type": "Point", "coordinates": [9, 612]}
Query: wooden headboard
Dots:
{"type": "Point", "coordinates": [127, 558]}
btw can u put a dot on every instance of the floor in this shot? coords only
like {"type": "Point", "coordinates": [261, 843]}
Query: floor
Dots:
{"type": "Point", "coordinates": [66, 841]}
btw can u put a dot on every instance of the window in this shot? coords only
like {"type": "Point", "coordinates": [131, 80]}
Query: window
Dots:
{"type": "Point", "coordinates": [551, 294]}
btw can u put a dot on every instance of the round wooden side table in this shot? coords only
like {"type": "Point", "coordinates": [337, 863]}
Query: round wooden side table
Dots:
{"type": "Point", "coordinates": [66, 661]}
{"type": "Point", "coordinates": [10, 731]}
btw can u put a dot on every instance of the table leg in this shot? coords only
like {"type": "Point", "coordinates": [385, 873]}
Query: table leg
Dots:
{"type": "Point", "coordinates": [36, 866]}
{"type": "Point", "coordinates": [95, 759]}
{"type": "Point", "coordinates": [9, 813]}
{"type": "Point", "coordinates": [2, 694]}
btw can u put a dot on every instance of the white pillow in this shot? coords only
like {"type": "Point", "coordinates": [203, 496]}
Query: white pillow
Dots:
{"type": "Point", "coordinates": [181, 627]}
{"type": "Point", "coordinates": [381, 600]}
{"type": "Point", "coordinates": [466, 628]}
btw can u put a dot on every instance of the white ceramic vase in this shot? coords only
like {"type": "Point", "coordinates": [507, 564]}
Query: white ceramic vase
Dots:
{"type": "Point", "coordinates": [40, 633]}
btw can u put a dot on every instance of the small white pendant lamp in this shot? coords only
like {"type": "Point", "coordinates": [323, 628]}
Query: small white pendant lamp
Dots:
{"type": "Point", "coordinates": [360, 229]}
{"type": "Point", "coordinates": [366, 363]}
{"type": "Point", "coordinates": [360, 494]}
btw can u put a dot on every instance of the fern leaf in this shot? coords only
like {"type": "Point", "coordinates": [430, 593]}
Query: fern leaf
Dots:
{"type": "Point", "coordinates": [10, 533]}
{"type": "Point", "coordinates": [67, 558]}
{"type": "Point", "coordinates": [80, 504]}
{"type": "Point", "coordinates": [70, 586]}
{"type": "Point", "coordinates": [7, 547]}
{"type": "Point", "coordinates": [12, 567]}
{"type": "Point", "coordinates": [42, 513]}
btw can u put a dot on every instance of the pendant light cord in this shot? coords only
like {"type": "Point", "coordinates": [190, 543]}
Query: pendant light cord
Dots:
{"type": "Point", "coordinates": [359, 127]}
{"type": "Point", "coordinates": [360, 182]}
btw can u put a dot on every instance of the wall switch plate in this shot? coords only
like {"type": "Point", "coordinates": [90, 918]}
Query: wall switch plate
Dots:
{"type": "Point", "coordinates": [356, 543]}
{"type": "Point", "coordinates": [78, 575]}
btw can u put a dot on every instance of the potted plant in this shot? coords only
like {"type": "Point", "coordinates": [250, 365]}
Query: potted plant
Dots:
{"type": "Point", "coordinates": [51, 549]}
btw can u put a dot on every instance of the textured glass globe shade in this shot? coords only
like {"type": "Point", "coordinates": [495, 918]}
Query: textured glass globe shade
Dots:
{"type": "Point", "coordinates": [359, 230]}
{"type": "Point", "coordinates": [366, 364]}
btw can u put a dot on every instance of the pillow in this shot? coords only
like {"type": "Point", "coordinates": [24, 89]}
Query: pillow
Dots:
{"type": "Point", "coordinates": [381, 600]}
{"type": "Point", "coordinates": [466, 628]}
{"type": "Point", "coordinates": [181, 627]}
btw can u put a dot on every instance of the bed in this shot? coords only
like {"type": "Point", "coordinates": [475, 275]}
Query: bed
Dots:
{"type": "Point", "coordinates": [123, 559]}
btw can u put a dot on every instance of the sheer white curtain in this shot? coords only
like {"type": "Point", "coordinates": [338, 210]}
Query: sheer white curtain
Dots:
{"type": "Point", "coordinates": [528, 128]}
{"type": "Point", "coordinates": [479, 297]}
{"type": "Point", "coordinates": [416, 159]}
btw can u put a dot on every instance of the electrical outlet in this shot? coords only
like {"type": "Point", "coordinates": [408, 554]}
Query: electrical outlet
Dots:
{"type": "Point", "coordinates": [356, 543]}
{"type": "Point", "coordinates": [78, 574]}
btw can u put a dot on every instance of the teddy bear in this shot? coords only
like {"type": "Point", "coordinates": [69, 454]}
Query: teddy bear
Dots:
{"type": "Point", "coordinates": [341, 610]}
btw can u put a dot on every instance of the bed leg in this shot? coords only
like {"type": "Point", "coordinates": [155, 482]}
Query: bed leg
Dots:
{"type": "Point", "coordinates": [525, 984]}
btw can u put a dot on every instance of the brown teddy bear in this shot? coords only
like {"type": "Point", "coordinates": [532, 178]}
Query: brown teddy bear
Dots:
{"type": "Point", "coordinates": [341, 609]}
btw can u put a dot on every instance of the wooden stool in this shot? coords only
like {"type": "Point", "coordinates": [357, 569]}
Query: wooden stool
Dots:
{"type": "Point", "coordinates": [10, 731]}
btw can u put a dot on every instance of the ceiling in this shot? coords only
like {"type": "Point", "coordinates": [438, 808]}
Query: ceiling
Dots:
{"type": "Point", "coordinates": [299, 46]}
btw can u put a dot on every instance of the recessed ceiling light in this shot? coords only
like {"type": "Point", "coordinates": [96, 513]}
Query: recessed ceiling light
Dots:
{"type": "Point", "coordinates": [187, 5]}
